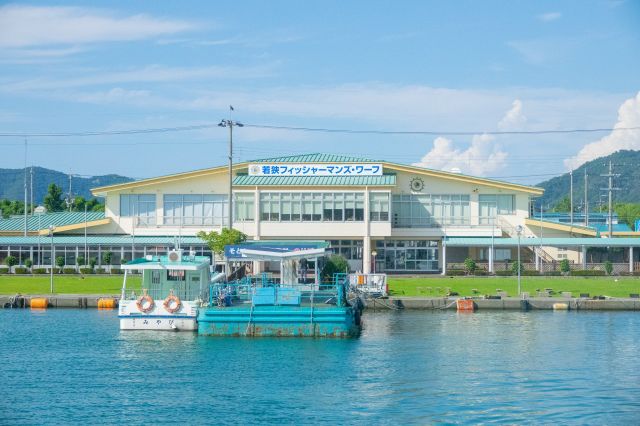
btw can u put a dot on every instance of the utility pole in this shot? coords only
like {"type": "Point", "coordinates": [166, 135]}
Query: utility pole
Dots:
{"type": "Point", "coordinates": [31, 189]}
{"type": "Point", "coordinates": [610, 175]}
{"type": "Point", "coordinates": [571, 197]}
{"type": "Point", "coordinates": [69, 200]}
{"type": "Point", "coordinates": [230, 124]}
{"type": "Point", "coordinates": [586, 203]}
{"type": "Point", "coordinates": [25, 187]}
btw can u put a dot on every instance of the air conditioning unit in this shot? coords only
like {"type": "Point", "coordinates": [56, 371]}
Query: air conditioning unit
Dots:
{"type": "Point", "coordinates": [175, 256]}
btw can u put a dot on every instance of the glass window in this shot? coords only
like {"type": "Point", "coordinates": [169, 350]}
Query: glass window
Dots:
{"type": "Point", "coordinates": [430, 210]}
{"type": "Point", "coordinates": [244, 206]}
{"type": "Point", "coordinates": [142, 206]}
{"type": "Point", "coordinates": [316, 206]}
{"type": "Point", "coordinates": [491, 205]}
{"type": "Point", "coordinates": [195, 209]}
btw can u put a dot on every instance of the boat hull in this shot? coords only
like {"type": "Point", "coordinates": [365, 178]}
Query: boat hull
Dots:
{"type": "Point", "coordinates": [131, 318]}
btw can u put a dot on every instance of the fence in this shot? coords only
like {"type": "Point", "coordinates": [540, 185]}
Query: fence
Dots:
{"type": "Point", "coordinates": [550, 267]}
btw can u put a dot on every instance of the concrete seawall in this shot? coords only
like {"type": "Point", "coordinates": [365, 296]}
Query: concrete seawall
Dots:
{"type": "Point", "coordinates": [509, 303]}
{"type": "Point", "coordinates": [77, 301]}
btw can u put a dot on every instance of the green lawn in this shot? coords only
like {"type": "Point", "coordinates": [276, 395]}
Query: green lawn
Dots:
{"type": "Point", "coordinates": [71, 284]}
{"type": "Point", "coordinates": [465, 286]}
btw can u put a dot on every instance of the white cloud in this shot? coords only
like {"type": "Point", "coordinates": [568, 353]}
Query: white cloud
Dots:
{"type": "Point", "coordinates": [513, 119]}
{"type": "Point", "coordinates": [483, 156]}
{"type": "Point", "coordinates": [628, 116]}
{"type": "Point", "coordinates": [25, 26]}
{"type": "Point", "coordinates": [549, 16]}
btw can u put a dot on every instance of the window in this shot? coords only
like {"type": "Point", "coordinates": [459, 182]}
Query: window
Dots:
{"type": "Point", "coordinates": [407, 255]}
{"type": "Point", "coordinates": [350, 249]}
{"type": "Point", "coordinates": [379, 206]}
{"type": "Point", "coordinates": [431, 210]}
{"type": "Point", "coordinates": [142, 206]}
{"type": "Point", "coordinates": [312, 206]}
{"type": "Point", "coordinates": [491, 205]}
{"type": "Point", "coordinates": [244, 207]}
{"type": "Point", "coordinates": [195, 209]}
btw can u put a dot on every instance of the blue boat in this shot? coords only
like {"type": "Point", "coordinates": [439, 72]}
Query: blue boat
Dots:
{"type": "Point", "coordinates": [261, 305]}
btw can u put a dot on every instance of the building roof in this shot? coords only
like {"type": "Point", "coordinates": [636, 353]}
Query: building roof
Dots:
{"type": "Point", "coordinates": [528, 242]}
{"type": "Point", "coordinates": [62, 221]}
{"type": "Point", "coordinates": [245, 180]}
{"type": "Point", "coordinates": [98, 240]}
{"type": "Point", "coordinates": [321, 158]}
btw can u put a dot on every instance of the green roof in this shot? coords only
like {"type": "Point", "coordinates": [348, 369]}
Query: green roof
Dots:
{"type": "Point", "coordinates": [164, 260]}
{"type": "Point", "coordinates": [98, 240]}
{"type": "Point", "coordinates": [245, 180]}
{"type": "Point", "coordinates": [42, 221]}
{"type": "Point", "coordinates": [528, 242]}
{"type": "Point", "coordinates": [315, 158]}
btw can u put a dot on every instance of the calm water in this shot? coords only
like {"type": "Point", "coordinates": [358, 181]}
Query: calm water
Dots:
{"type": "Point", "coordinates": [73, 366]}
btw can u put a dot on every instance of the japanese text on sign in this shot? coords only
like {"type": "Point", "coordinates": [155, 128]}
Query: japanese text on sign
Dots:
{"type": "Point", "coordinates": [339, 169]}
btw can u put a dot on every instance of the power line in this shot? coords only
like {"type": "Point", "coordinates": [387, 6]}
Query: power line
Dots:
{"type": "Point", "coordinates": [110, 132]}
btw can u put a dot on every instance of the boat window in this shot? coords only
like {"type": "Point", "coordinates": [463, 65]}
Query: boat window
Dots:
{"type": "Point", "coordinates": [175, 275]}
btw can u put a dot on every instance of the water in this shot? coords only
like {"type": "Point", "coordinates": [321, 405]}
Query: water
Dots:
{"type": "Point", "coordinates": [75, 366]}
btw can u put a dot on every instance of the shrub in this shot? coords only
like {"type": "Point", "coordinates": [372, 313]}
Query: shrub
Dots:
{"type": "Point", "coordinates": [456, 272]}
{"type": "Point", "coordinates": [504, 273]}
{"type": "Point", "coordinates": [117, 271]}
{"type": "Point", "coordinates": [552, 273]}
{"type": "Point", "coordinates": [608, 267]}
{"type": "Point", "coordinates": [10, 261]}
{"type": "Point", "coordinates": [106, 257]}
{"type": "Point", "coordinates": [564, 266]}
{"type": "Point", "coordinates": [69, 270]}
{"type": "Point", "coordinates": [86, 271]}
{"type": "Point", "coordinates": [80, 261]}
{"type": "Point", "coordinates": [335, 264]}
{"type": "Point", "coordinates": [60, 261]}
{"type": "Point", "coordinates": [530, 273]}
{"type": "Point", "coordinates": [28, 263]}
{"type": "Point", "coordinates": [515, 266]}
{"type": "Point", "coordinates": [4, 270]}
{"type": "Point", "coordinates": [100, 271]}
{"type": "Point", "coordinates": [470, 265]}
{"type": "Point", "coordinates": [39, 271]}
{"type": "Point", "coordinates": [589, 273]}
{"type": "Point", "coordinates": [92, 262]}
{"type": "Point", "coordinates": [20, 270]}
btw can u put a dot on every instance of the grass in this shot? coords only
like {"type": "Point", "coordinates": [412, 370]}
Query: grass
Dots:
{"type": "Point", "coordinates": [477, 286]}
{"type": "Point", "coordinates": [69, 284]}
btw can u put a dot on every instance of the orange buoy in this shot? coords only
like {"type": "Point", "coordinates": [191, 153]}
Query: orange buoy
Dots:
{"type": "Point", "coordinates": [39, 303]}
{"type": "Point", "coordinates": [360, 279]}
{"type": "Point", "coordinates": [107, 303]}
{"type": "Point", "coordinates": [465, 305]}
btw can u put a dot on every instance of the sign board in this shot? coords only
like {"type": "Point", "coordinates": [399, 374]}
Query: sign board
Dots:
{"type": "Point", "coordinates": [325, 169]}
{"type": "Point", "coordinates": [235, 251]}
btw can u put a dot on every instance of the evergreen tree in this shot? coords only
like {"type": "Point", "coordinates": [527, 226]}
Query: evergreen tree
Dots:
{"type": "Point", "coordinates": [53, 200]}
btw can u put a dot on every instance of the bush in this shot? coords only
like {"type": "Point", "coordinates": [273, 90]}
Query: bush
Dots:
{"type": "Point", "coordinates": [4, 270]}
{"type": "Point", "coordinates": [608, 267]}
{"type": "Point", "coordinates": [552, 274]}
{"type": "Point", "coordinates": [69, 271]}
{"type": "Point", "coordinates": [515, 266]}
{"type": "Point", "coordinates": [106, 257]}
{"type": "Point", "coordinates": [564, 266]}
{"type": "Point", "coordinates": [470, 266]}
{"type": "Point", "coordinates": [100, 271]}
{"type": "Point", "coordinates": [39, 271]}
{"type": "Point", "coordinates": [60, 261]}
{"type": "Point", "coordinates": [117, 271]}
{"type": "Point", "coordinates": [28, 263]}
{"type": "Point", "coordinates": [504, 273]}
{"type": "Point", "coordinates": [530, 273]}
{"type": "Point", "coordinates": [588, 273]}
{"type": "Point", "coordinates": [10, 261]}
{"type": "Point", "coordinates": [92, 262]}
{"type": "Point", "coordinates": [456, 272]}
{"type": "Point", "coordinates": [335, 264]}
{"type": "Point", "coordinates": [20, 270]}
{"type": "Point", "coordinates": [80, 261]}
{"type": "Point", "coordinates": [86, 271]}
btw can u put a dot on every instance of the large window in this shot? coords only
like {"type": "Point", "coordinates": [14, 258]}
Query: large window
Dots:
{"type": "Point", "coordinates": [195, 209]}
{"type": "Point", "coordinates": [349, 249]}
{"type": "Point", "coordinates": [141, 206]}
{"type": "Point", "coordinates": [379, 206]}
{"type": "Point", "coordinates": [491, 205]}
{"type": "Point", "coordinates": [407, 255]}
{"type": "Point", "coordinates": [431, 210]}
{"type": "Point", "coordinates": [311, 206]}
{"type": "Point", "coordinates": [244, 207]}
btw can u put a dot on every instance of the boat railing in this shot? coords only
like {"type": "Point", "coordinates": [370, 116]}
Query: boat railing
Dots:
{"type": "Point", "coordinates": [371, 284]}
{"type": "Point", "coordinates": [244, 290]}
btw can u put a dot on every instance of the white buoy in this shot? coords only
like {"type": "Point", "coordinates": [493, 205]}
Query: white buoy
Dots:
{"type": "Point", "coordinates": [560, 306]}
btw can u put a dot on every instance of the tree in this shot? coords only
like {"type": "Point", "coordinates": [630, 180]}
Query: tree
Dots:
{"type": "Point", "coordinates": [10, 261]}
{"type": "Point", "coordinates": [608, 267]}
{"type": "Point", "coordinates": [11, 208]}
{"type": "Point", "coordinates": [80, 261]}
{"type": "Point", "coordinates": [517, 265]}
{"type": "Point", "coordinates": [564, 266]}
{"type": "Point", "coordinates": [335, 264]}
{"type": "Point", "coordinates": [564, 205]}
{"type": "Point", "coordinates": [628, 213]}
{"type": "Point", "coordinates": [92, 262]}
{"type": "Point", "coordinates": [470, 266]}
{"type": "Point", "coordinates": [60, 262]}
{"type": "Point", "coordinates": [28, 263]}
{"type": "Point", "coordinates": [216, 241]}
{"type": "Point", "coordinates": [106, 257]}
{"type": "Point", "coordinates": [53, 200]}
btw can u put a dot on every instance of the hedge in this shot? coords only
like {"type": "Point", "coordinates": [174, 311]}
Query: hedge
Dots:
{"type": "Point", "coordinates": [39, 271]}
{"type": "Point", "coordinates": [69, 271]}
{"type": "Point", "coordinates": [20, 270]}
{"type": "Point", "coordinates": [101, 271]}
{"type": "Point", "coordinates": [4, 270]}
{"type": "Point", "coordinates": [456, 272]}
{"type": "Point", "coordinates": [504, 273]}
{"type": "Point", "coordinates": [86, 271]}
{"type": "Point", "coordinates": [117, 271]}
{"type": "Point", "coordinates": [588, 273]}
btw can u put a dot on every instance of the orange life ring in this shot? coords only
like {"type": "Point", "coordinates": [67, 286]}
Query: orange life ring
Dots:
{"type": "Point", "coordinates": [145, 307]}
{"type": "Point", "coordinates": [176, 303]}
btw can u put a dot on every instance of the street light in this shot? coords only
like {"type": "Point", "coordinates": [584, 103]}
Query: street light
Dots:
{"type": "Point", "coordinates": [519, 230]}
{"type": "Point", "coordinates": [374, 253]}
{"type": "Point", "coordinates": [230, 124]}
{"type": "Point", "coordinates": [51, 229]}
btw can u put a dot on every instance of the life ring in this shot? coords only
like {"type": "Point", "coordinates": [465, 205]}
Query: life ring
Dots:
{"type": "Point", "coordinates": [145, 307]}
{"type": "Point", "coordinates": [172, 303]}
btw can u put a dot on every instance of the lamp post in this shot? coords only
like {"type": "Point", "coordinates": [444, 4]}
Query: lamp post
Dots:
{"type": "Point", "coordinates": [519, 230]}
{"type": "Point", "coordinates": [230, 124]}
{"type": "Point", "coordinates": [51, 229]}
{"type": "Point", "coordinates": [374, 253]}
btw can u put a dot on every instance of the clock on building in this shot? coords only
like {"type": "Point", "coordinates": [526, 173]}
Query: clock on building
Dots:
{"type": "Point", "coordinates": [416, 184]}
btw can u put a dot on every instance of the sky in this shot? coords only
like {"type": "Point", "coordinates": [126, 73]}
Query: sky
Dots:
{"type": "Point", "coordinates": [437, 66]}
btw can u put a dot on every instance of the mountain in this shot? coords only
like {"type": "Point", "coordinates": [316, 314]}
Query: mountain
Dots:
{"type": "Point", "coordinates": [625, 163]}
{"type": "Point", "coordinates": [12, 183]}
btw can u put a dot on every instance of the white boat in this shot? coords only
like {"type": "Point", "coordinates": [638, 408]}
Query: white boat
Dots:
{"type": "Point", "coordinates": [171, 291]}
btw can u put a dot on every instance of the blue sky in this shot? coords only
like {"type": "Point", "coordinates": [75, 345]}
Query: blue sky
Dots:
{"type": "Point", "coordinates": [455, 66]}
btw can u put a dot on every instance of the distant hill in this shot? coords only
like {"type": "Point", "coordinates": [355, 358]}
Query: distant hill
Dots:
{"type": "Point", "coordinates": [625, 163]}
{"type": "Point", "coordinates": [12, 183]}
